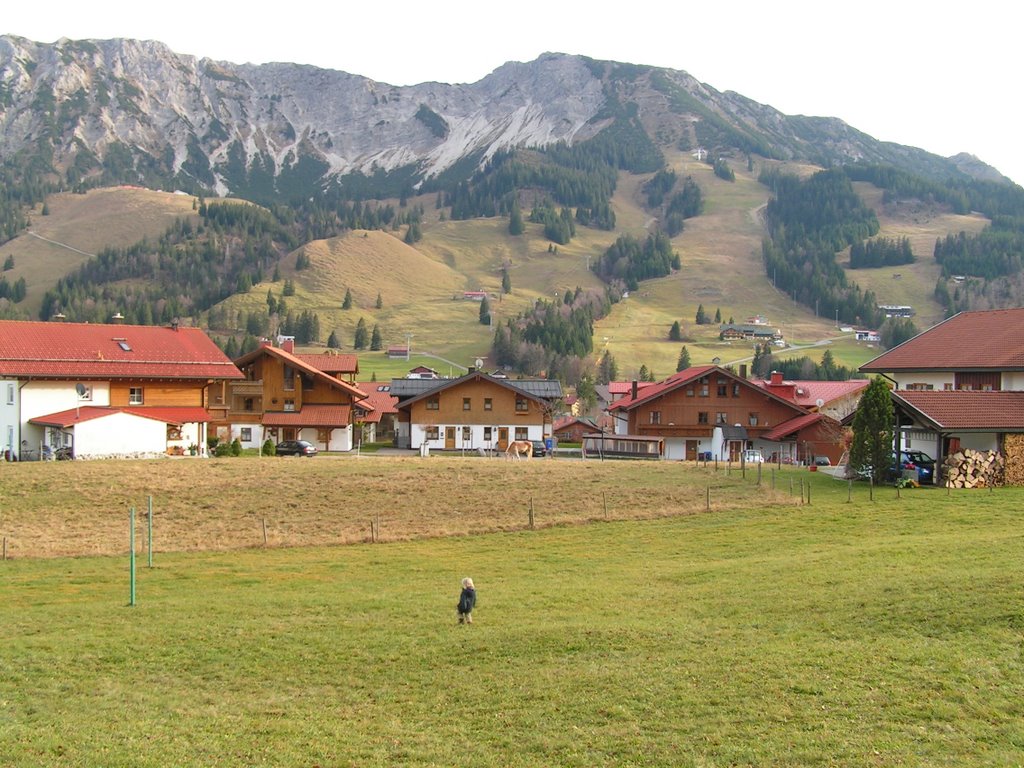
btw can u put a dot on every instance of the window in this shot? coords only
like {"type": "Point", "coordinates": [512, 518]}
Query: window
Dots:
{"type": "Point", "coordinates": [247, 404]}
{"type": "Point", "coordinates": [433, 403]}
{"type": "Point", "coordinates": [433, 433]}
{"type": "Point", "coordinates": [702, 417]}
{"type": "Point", "coordinates": [521, 406]}
{"type": "Point", "coordinates": [246, 435]}
{"type": "Point", "coordinates": [920, 387]}
{"type": "Point", "coordinates": [736, 390]}
{"type": "Point", "coordinates": [135, 396]}
{"type": "Point", "coordinates": [467, 434]}
{"type": "Point", "coordinates": [721, 418]}
{"type": "Point", "coordinates": [289, 377]}
{"type": "Point", "coordinates": [488, 404]}
{"type": "Point", "coordinates": [467, 404]}
{"type": "Point", "coordinates": [752, 419]}
{"type": "Point", "coordinates": [704, 385]}
{"type": "Point", "coordinates": [487, 434]}
{"type": "Point", "coordinates": [289, 405]}
{"type": "Point", "coordinates": [689, 392]}
{"type": "Point", "coordinates": [10, 394]}
{"type": "Point", "coordinates": [655, 417]}
{"type": "Point", "coordinates": [522, 433]}
{"type": "Point", "coordinates": [723, 389]}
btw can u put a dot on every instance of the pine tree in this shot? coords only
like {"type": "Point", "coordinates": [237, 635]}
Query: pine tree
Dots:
{"type": "Point", "coordinates": [506, 281]}
{"type": "Point", "coordinates": [684, 359]}
{"type": "Point", "coordinates": [376, 343]}
{"type": "Point", "coordinates": [347, 303]}
{"type": "Point", "coordinates": [361, 336]}
{"type": "Point", "coordinates": [485, 312]}
{"type": "Point", "coordinates": [702, 318]}
{"type": "Point", "coordinates": [380, 301]}
{"type": "Point", "coordinates": [515, 221]}
{"type": "Point", "coordinates": [332, 341]}
{"type": "Point", "coordinates": [9, 263]}
{"type": "Point", "coordinates": [289, 288]}
{"type": "Point", "coordinates": [718, 316]}
{"type": "Point", "coordinates": [675, 332]}
{"type": "Point", "coordinates": [607, 369]}
{"type": "Point", "coordinates": [872, 448]}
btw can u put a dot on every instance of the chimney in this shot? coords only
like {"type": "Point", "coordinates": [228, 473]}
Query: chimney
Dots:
{"type": "Point", "coordinates": [117, 319]}
{"type": "Point", "coordinates": [265, 343]}
{"type": "Point", "coordinates": [776, 379]}
{"type": "Point", "coordinates": [288, 345]}
{"type": "Point", "coordinates": [634, 389]}
{"type": "Point", "coordinates": [743, 371]}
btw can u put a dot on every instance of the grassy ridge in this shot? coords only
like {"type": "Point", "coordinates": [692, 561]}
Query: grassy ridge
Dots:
{"type": "Point", "coordinates": [871, 633]}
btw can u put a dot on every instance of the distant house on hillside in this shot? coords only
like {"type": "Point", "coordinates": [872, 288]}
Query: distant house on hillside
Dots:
{"type": "Point", "coordinates": [398, 353]}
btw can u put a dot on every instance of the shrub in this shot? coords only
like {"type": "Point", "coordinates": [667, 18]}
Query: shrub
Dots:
{"type": "Point", "coordinates": [236, 447]}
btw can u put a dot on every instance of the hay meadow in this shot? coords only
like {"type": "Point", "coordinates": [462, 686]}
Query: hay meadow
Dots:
{"type": "Point", "coordinates": [828, 626]}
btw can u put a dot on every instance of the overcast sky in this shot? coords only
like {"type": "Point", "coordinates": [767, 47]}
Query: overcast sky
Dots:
{"type": "Point", "coordinates": [938, 76]}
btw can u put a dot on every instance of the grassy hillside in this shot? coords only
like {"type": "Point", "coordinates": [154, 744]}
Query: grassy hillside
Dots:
{"type": "Point", "coordinates": [872, 633]}
{"type": "Point", "coordinates": [720, 253]}
{"type": "Point", "coordinates": [81, 225]}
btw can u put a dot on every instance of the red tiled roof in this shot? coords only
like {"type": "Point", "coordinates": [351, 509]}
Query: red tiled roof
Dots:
{"type": "Point", "coordinates": [968, 410]}
{"type": "Point", "coordinates": [787, 428]}
{"type": "Point", "coordinates": [328, 362]}
{"type": "Point", "coordinates": [167, 414]}
{"type": "Point", "coordinates": [807, 393]}
{"type": "Point", "coordinates": [983, 340]}
{"type": "Point", "coordinates": [86, 351]}
{"type": "Point", "coordinates": [381, 402]}
{"type": "Point", "coordinates": [310, 416]}
{"type": "Point", "coordinates": [660, 387]}
{"type": "Point", "coordinates": [625, 387]}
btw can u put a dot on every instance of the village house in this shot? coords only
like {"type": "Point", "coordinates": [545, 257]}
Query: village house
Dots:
{"type": "Point", "coordinates": [473, 412]}
{"type": "Point", "coordinates": [284, 397]}
{"type": "Point", "coordinates": [379, 423]}
{"type": "Point", "coordinates": [102, 390]}
{"type": "Point", "coordinates": [959, 384]}
{"type": "Point", "coordinates": [836, 399]}
{"type": "Point", "coordinates": [571, 429]}
{"type": "Point", "coordinates": [710, 412]}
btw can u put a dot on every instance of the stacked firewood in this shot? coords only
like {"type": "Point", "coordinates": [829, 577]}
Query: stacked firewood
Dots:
{"type": "Point", "coordinates": [968, 468]}
{"type": "Point", "coordinates": [1013, 450]}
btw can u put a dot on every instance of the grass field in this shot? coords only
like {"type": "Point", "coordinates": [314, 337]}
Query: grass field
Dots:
{"type": "Point", "coordinates": [876, 632]}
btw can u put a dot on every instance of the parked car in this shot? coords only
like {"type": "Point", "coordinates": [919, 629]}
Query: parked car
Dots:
{"type": "Point", "coordinates": [922, 462]}
{"type": "Point", "coordinates": [822, 461]}
{"type": "Point", "coordinates": [539, 448]}
{"type": "Point", "coordinates": [296, 448]}
{"type": "Point", "coordinates": [753, 456]}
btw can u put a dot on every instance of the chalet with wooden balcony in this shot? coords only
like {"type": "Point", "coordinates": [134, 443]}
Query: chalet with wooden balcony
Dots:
{"type": "Point", "coordinates": [285, 397]}
{"type": "Point", "coordinates": [103, 390]}
{"type": "Point", "coordinates": [473, 412]}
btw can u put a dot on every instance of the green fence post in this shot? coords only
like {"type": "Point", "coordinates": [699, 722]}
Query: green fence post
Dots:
{"type": "Point", "coordinates": [149, 521]}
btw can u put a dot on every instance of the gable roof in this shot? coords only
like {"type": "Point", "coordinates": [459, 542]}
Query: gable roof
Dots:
{"type": "Point", "coordinates": [687, 376]}
{"type": "Point", "coordinates": [167, 414]}
{"type": "Point", "coordinates": [37, 350]}
{"type": "Point", "coordinates": [982, 340]}
{"type": "Point", "coordinates": [299, 364]}
{"type": "Point", "coordinates": [806, 393]}
{"type": "Point", "coordinates": [331, 362]}
{"type": "Point", "coordinates": [379, 397]}
{"type": "Point", "coordinates": [540, 390]}
{"type": "Point", "coordinates": [787, 428]}
{"type": "Point", "coordinates": [966, 410]}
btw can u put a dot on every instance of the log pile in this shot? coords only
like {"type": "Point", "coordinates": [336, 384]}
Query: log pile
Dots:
{"type": "Point", "coordinates": [1013, 450]}
{"type": "Point", "coordinates": [968, 468]}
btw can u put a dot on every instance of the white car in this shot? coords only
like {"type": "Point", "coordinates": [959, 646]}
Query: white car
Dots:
{"type": "Point", "coordinates": [752, 456]}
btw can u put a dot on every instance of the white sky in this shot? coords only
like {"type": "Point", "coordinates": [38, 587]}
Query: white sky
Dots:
{"type": "Point", "coordinates": [934, 75]}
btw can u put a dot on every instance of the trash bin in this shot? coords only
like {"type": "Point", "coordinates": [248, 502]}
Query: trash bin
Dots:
{"type": "Point", "coordinates": [424, 450]}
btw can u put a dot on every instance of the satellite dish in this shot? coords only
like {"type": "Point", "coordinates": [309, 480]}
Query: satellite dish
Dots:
{"type": "Point", "coordinates": [80, 389]}
{"type": "Point", "coordinates": [479, 362]}
{"type": "Point", "coordinates": [819, 402]}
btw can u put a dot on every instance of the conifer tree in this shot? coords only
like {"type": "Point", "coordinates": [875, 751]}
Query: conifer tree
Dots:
{"type": "Point", "coordinates": [380, 301]}
{"type": "Point", "coordinates": [485, 312]}
{"type": "Point", "coordinates": [376, 343]}
{"type": "Point", "coordinates": [684, 359]}
{"type": "Point", "coordinates": [871, 451]}
{"type": "Point", "coordinates": [332, 341]}
{"type": "Point", "coordinates": [361, 336]}
{"type": "Point", "coordinates": [675, 332]}
{"type": "Point", "coordinates": [347, 303]}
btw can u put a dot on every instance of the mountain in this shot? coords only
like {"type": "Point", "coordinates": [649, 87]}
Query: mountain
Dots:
{"type": "Point", "coordinates": [99, 111]}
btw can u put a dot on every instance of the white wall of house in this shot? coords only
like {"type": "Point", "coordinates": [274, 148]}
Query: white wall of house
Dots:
{"type": "Point", "coordinates": [10, 417]}
{"type": "Point", "coordinates": [341, 438]}
{"type": "Point", "coordinates": [256, 434]}
{"type": "Point", "coordinates": [937, 380]}
{"type": "Point", "coordinates": [120, 434]}
{"type": "Point", "coordinates": [1013, 380]}
{"type": "Point", "coordinates": [477, 435]}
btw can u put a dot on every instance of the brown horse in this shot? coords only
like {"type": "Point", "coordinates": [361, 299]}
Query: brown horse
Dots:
{"type": "Point", "coordinates": [519, 448]}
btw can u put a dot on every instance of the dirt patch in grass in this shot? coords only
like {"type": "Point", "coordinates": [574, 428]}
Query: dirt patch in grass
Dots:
{"type": "Point", "coordinates": [82, 508]}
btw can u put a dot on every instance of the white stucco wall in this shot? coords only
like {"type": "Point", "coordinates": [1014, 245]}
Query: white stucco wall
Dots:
{"type": "Point", "coordinates": [937, 380]}
{"type": "Point", "coordinates": [120, 434]}
{"type": "Point", "coordinates": [418, 435]}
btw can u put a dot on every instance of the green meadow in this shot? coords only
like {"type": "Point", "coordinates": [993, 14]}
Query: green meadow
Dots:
{"type": "Point", "coordinates": [852, 630]}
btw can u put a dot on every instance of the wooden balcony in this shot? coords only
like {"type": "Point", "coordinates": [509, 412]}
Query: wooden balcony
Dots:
{"type": "Point", "coordinates": [245, 389]}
